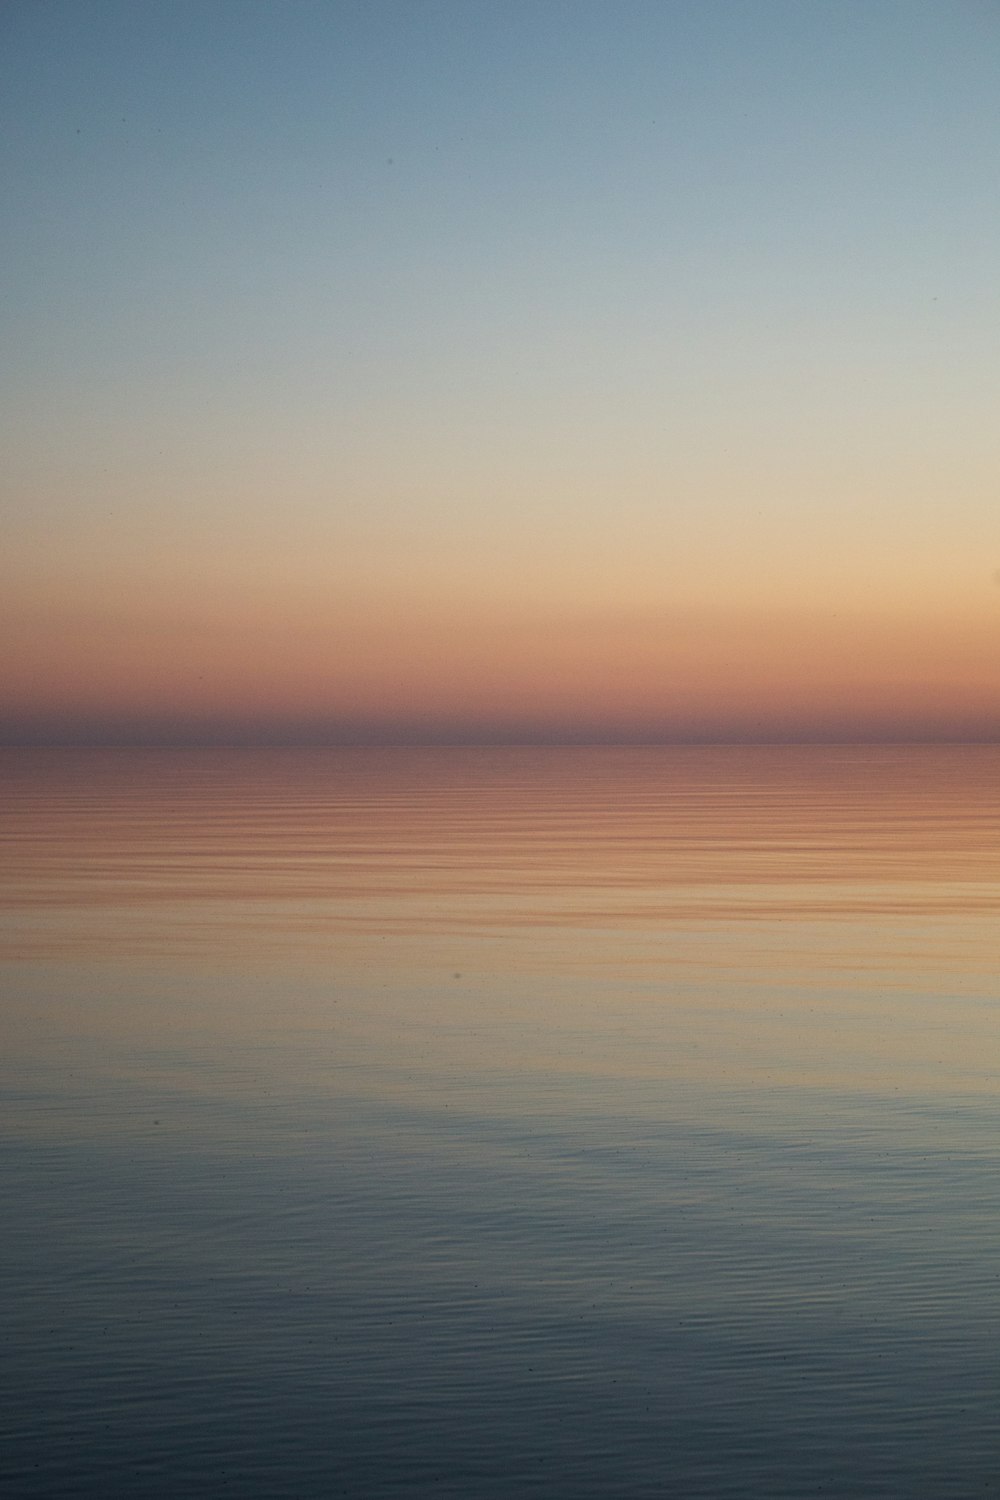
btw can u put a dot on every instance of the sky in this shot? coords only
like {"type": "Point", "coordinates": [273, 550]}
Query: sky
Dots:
{"type": "Point", "coordinates": [489, 370]}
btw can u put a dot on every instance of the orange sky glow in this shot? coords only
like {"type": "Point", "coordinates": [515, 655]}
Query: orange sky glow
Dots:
{"type": "Point", "coordinates": [632, 379]}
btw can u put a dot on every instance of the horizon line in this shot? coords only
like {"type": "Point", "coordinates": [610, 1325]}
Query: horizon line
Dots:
{"type": "Point", "coordinates": [495, 742]}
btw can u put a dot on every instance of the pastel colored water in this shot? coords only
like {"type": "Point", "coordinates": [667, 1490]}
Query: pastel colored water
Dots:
{"type": "Point", "coordinates": [465, 1123]}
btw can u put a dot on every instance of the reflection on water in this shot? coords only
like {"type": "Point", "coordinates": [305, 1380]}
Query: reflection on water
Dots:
{"type": "Point", "coordinates": [501, 1122]}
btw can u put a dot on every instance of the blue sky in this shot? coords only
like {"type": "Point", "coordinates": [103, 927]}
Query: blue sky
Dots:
{"type": "Point", "coordinates": [566, 307]}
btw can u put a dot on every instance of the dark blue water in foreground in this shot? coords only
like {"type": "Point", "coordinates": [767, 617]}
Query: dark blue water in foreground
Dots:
{"type": "Point", "coordinates": [564, 1123]}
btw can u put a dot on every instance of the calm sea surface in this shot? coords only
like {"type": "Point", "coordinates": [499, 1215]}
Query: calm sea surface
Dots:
{"type": "Point", "coordinates": [461, 1123]}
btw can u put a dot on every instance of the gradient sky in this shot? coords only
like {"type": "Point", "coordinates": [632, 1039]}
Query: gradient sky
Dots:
{"type": "Point", "coordinates": [500, 370]}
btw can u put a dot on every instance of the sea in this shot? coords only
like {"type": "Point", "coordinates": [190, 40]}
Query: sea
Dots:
{"type": "Point", "coordinates": [497, 1122]}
